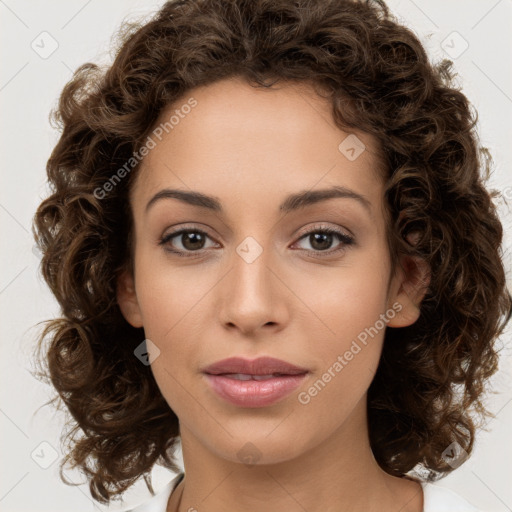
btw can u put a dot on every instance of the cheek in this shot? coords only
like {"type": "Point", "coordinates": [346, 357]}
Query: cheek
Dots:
{"type": "Point", "coordinates": [347, 353]}
{"type": "Point", "coordinates": [168, 295]}
{"type": "Point", "coordinates": [344, 301]}
{"type": "Point", "coordinates": [172, 300]}
{"type": "Point", "coordinates": [345, 328]}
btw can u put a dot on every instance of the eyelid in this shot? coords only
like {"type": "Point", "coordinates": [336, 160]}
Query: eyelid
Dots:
{"type": "Point", "coordinates": [324, 227]}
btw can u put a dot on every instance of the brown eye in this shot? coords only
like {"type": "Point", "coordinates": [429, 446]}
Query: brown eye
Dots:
{"type": "Point", "coordinates": [192, 240]}
{"type": "Point", "coordinates": [321, 240]}
{"type": "Point", "coordinates": [185, 240]}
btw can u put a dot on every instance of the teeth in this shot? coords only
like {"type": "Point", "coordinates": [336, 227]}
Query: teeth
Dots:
{"type": "Point", "coordinates": [245, 376]}
{"type": "Point", "coordinates": [265, 377]}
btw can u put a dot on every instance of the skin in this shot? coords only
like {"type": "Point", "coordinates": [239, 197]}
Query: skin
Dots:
{"type": "Point", "coordinates": [251, 148]}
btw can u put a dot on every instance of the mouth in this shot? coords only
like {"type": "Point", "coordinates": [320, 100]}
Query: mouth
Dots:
{"type": "Point", "coordinates": [258, 383]}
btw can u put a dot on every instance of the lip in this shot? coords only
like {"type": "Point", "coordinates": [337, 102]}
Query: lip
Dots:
{"type": "Point", "coordinates": [254, 393]}
{"type": "Point", "coordinates": [259, 366]}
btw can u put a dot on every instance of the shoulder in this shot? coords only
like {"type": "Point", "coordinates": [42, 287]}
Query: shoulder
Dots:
{"type": "Point", "coordinates": [158, 503]}
{"type": "Point", "coordinates": [441, 499]}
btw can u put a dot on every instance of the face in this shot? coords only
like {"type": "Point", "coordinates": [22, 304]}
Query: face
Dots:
{"type": "Point", "coordinates": [256, 274]}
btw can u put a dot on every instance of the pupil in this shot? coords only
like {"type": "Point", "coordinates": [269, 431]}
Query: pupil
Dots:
{"type": "Point", "coordinates": [196, 240]}
{"type": "Point", "coordinates": [326, 238]}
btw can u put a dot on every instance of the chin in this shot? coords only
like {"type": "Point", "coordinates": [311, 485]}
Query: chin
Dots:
{"type": "Point", "coordinates": [261, 445]}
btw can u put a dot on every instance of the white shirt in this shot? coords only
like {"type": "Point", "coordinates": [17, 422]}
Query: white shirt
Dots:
{"type": "Point", "coordinates": [435, 499]}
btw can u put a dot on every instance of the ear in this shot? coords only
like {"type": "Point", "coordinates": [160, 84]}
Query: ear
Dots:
{"type": "Point", "coordinates": [408, 288]}
{"type": "Point", "coordinates": [127, 299]}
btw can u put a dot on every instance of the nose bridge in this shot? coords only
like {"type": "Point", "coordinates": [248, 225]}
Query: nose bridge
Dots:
{"type": "Point", "coordinates": [250, 269]}
{"type": "Point", "coordinates": [250, 298]}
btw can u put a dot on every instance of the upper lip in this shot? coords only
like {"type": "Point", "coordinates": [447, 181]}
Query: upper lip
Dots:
{"type": "Point", "coordinates": [259, 366]}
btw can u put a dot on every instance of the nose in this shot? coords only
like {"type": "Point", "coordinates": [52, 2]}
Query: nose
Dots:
{"type": "Point", "coordinates": [251, 296]}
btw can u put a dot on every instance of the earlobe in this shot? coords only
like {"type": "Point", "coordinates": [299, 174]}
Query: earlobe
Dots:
{"type": "Point", "coordinates": [410, 284]}
{"type": "Point", "coordinates": [127, 299]}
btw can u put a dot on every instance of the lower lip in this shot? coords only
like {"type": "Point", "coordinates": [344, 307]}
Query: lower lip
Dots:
{"type": "Point", "coordinates": [254, 393]}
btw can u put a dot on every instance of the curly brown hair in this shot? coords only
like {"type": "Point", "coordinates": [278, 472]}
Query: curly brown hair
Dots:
{"type": "Point", "coordinates": [378, 78]}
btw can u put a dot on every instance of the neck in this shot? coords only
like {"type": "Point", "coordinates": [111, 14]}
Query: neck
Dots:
{"type": "Point", "coordinates": [340, 473]}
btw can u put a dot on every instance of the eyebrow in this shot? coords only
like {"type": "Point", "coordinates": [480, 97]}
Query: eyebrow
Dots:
{"type": "Point", "coordinates": [291, 203]}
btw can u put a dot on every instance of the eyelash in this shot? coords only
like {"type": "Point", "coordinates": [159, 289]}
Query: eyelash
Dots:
{"type": "Point", "coordinates": [343, 237]}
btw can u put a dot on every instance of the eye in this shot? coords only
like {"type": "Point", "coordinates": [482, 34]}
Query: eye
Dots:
{"type": "Point", "coordinates": [321, 239]}
{"type": "Point", "coordinates": [191, 240]}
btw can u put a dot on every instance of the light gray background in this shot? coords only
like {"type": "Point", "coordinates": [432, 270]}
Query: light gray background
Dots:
{"type": "Point", "coordinates": [29, 88]}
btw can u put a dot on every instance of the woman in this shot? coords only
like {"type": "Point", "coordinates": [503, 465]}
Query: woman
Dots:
{"type": "Point", "coordinates": [271, 241]}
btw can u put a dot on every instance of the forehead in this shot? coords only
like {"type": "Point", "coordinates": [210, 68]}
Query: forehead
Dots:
{"type": "Point", "coordinates": [238, 140]}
